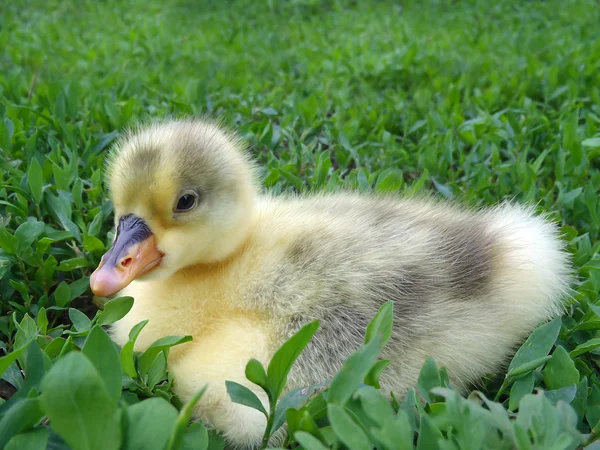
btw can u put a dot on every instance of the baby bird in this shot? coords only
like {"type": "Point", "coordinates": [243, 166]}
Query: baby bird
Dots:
{"type": "Point", "coordinates": [204, 252]}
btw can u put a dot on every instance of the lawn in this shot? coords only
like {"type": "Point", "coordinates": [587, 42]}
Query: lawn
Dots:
{"type": "Point", "coordinates": [471, 101]}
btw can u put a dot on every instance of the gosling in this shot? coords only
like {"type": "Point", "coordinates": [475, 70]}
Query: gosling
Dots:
{"type": "Point", "coordinates": [204, 252]}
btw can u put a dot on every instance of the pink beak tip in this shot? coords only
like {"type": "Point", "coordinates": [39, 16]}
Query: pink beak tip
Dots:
{"type": "Point", "coordinates": [103, 283]}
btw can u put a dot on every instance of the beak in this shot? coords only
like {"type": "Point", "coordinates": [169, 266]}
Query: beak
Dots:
{"type": "Point", "coordinates": [132, 255]}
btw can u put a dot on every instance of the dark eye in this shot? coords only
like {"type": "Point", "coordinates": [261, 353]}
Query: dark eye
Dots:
{"type": "Point", "coordinates": [186, 202]}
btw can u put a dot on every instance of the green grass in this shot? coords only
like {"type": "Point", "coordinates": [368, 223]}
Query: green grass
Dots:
{"type": "Point", "coordinates": [470, 100]}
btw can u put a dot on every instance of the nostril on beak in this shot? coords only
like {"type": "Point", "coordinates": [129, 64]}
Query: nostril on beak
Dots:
{"type": "Point", "coordinates": [125, 262]}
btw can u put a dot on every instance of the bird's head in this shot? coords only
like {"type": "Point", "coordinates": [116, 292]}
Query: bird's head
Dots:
{"type": "Point", "coordinates": [183, 193]}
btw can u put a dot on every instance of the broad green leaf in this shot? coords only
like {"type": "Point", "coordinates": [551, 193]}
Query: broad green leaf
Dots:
{"type": "Point", "coordinates": [62, 294]}
{"type": "Point", "coordinates": [8, 242]}
{"type": "Point", "coordinates": [127, 358]}
{"type": "Point", "coordinates": [92, 244]}
{"type": "Point", "coordinates": [77, 192]}
{"type": "Point", "coordinates": [129, 398]}
{"type": "Point", "coordinates": [560, 371]}
{"type": "Point", "coordinates": [61, 180]}
{"type": "Point", "coordinates": [244, 396]}
{"type": "Point", "coordinates": [78, 287]}
{"type": "Point", "coordinates": [592, 413]}
{"type": "Point", "coordinates": [195, 438]}
{"type": "Point", "coordinates": [149, 424]}
{"type": "Point", "coordinates": [348, 431]}
{"type": "Point", "coordinates": [444, 378]}
{"type": "Point", "coordinates": [308, 441]}
{"type": "Point", "coordinates": [293, 180]}
{"type": "Point", "coordinates": [429, 435]}
{"type": "Point", "coordinates": [55, 346]}
{"type": "Point", "coordinates": [49, 269]}
{"type": "Point", "coordinates": [409, 406]}
{"type": "Point", "coordinates": [67, 347]}
{"type": "Point", "coordinates": [417, 185]}
{"type": "Point", "coordinates": [157, 371]}
{"type": "Point", "coordinates": [381, 324]}
{"type": "Point", "coordinates": [23, 289]}
{"type": "Point", "coordinates": [284, 358]}
{"type": "Point", "coordinates": [353, 372]}
{"type": "Point", "coordinates": [62, 210]}
{"type": "Point", "coordinates": [443, 189]}
{"type": "Point", "coordinates": [593, 446]}
{"type": "Point", "coordinates": [317, 405]}
{"type": "Point", "coordinates": [24, 414]}
{"type": "Point", "coordinates": [96, 225]}
{"type": "Point", "coordinates": [255, 372]}
{"type": "Point", "coordinates": [443, 413]}
{"type": "Point", "coordinates": [27, 233]}
{"type": "Point", "coordinates": [591, 142]}
{"type": "Point", "coordinates": [80, 409]}
{"type": "Point", "coordinates": [301, 420]}
{"type": "Point", "coordinates": [101, 351]}
{"type": "Point", "coordinates": [34, 365]}
{"type": "Point", "coordinates": [146, 358]}
{"type": "Point", "coordinates": [522, 438]}
{"type": "Point", "coordinates": [567, 197]}
{"type": "Point", "coordinates": [215, 441]}
{"type": "Point", "coordinates": [528, 367]}
{"type": "Point", "coordinates": [567, 420]}
{"type": "Point", "coordinates": [36, 439]}
{"type": "Point", "coordinates": [35, 179]}
{"type": "Point", "coordinates": [520, 389]}
{"type": "Point", "coordinates": [537, 345]}
{"type": "Point", "coordinates": [363, 181]}
{"type": "Point", "coordinates": [14, 376]}
{"type": "Point", "coordinates": [272, 177]}
{"type": "Point", "coordinates": [395, 434]}
{"type": "Point", "coordinates": [498, 414]}
{"type": "Point", "coordinates": [372, 378]}
{"type": "Point", "coordinates": [292, 399]}
{"type": "Point", "coordinates": [42, 320]}
{"type": "Point", "coordinates": [81, 322]}
{"type": "Point", "coordinates": [26, 330]}
{"type": "Point", "coordinates": [586, 347]}
{"type": "Point", "coordinates": [104, 141]}
{"type": "Point", "coordinates": [429, 378]}
{"type": "Point", "coordinates": [128, 361]}
{"type": "Point", "coordinates": [580, 402]}
{"type": "Point", "coordinates": [321, 169]}
{"type": "Point", "coordinates": [532, 405]}
{"type": "Point", "coordinates": [178, 434]}
{"type": "Point", "coordinates": [115, 310]}
{"type": "Point", "coordinates": [390, 180]}
{"type": "Point", "coordinates": [329, 437]}
{"type": "Point", "coordinates": [375, 405]}
{"type": "Point", "coordinates": [72, 264]}
{"type": "Point", "coordinates": [565, 394]}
